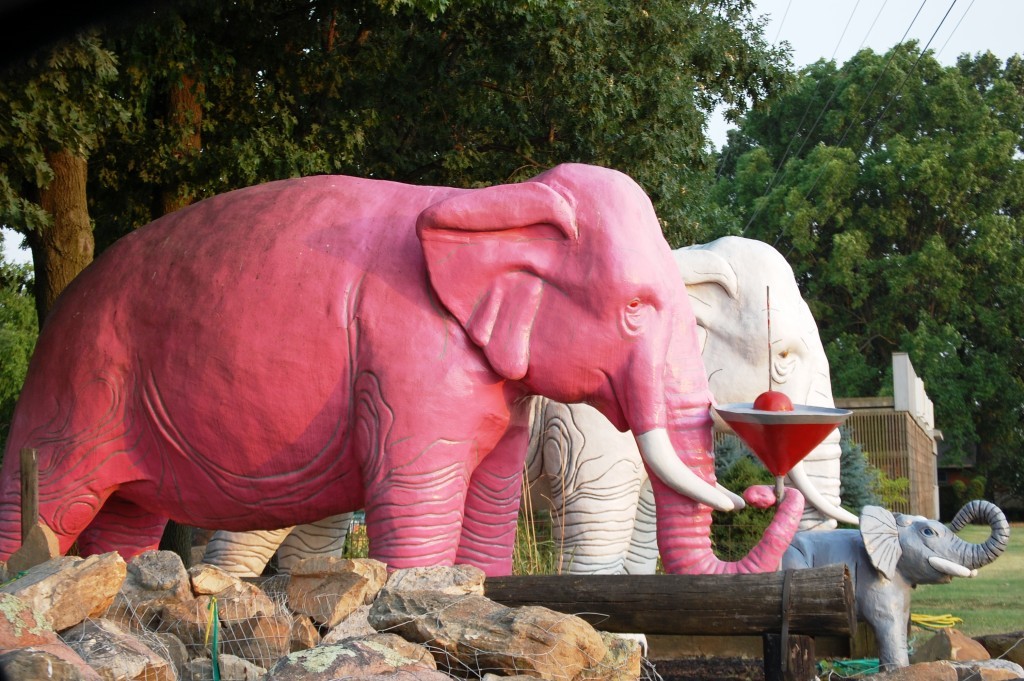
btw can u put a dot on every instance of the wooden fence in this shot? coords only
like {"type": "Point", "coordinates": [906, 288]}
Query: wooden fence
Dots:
{"type": "Point", "coordinates": [898, 445]}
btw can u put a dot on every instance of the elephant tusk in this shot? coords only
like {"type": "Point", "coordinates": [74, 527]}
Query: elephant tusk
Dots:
{"type": "Point", "coordinates": [948, 567]}
{"type": "Point", "coordinates": [800, 480]}
{"type": "Point", "coordinates": [657, 451]}
{"type": "Point", "coordinates": [738, 501]}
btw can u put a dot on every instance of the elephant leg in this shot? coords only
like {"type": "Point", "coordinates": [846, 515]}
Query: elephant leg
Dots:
{"type": "Point", "coordinates": [594, 475]}
{"type": "Point", "coordinates": [323, 538]}
{"type": "Point", "coordinates": [642, 558]}
{"type": "Point", "coordinates": [492, 504]}
{"type": "Point", "coordinates": [243, 554]}
{"type": "Point", "coordinates": [122, 526]}
{"type": "Point", "coordinates": [414, 508]}
{"type": "Point", "coordinates": [889, 617]}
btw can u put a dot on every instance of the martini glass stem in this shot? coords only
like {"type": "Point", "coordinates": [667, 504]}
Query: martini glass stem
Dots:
{"type": "Point", "coordinates": [780, 488]}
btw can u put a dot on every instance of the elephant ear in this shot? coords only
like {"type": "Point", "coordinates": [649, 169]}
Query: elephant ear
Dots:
{"type": "Point", "coordinates": [880, 532]}
{"type": "Point", "coordinates": [486, 252]}
{"type": "Point", "coordinates": [699, 265]}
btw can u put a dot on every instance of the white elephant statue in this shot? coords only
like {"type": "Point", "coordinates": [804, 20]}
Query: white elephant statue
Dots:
{"type": "Point", "coordinates": [602, 502]}
{"type": "Point", "coordinates": [893, 553]}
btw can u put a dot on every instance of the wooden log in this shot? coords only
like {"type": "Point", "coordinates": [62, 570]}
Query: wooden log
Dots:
{"type": "Point", "coordinates": [821, 601]}
{"type": "Point", "coordinates": [29, 491]}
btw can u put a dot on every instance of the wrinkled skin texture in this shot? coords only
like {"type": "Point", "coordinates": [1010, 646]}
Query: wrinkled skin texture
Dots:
{"type": "Point", "coordinates": [891, 554]}
{"type": "Point", "coordinates": [303, 348]}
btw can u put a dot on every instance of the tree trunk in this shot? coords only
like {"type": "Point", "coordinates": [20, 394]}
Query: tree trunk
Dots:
{"type": "Point", "coordinates": [64, 249]}
{"type": "Point", "coordinates": [185, 113]}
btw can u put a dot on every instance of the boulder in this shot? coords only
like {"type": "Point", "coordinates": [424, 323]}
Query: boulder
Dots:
{"type": "Point", "coordinates": [949, 644]}
{"type": "Point", "coordinates": [261, 639]}
{"type": "Point", "coordinates": [189, 621]}
{"type": "Point", "coordinates": [356, 624]}
{"type": "Point", "coordinates": [947, 670]}
{"type": "Point", "coordinates": [328, 589]}
{"type": "Point", "coordinates": [153, 579]}
{"type": "Point", "coordinates": [22, 626]}
{"type": "Point", "coordinates": [454, 581]}
{"type": "Point", "coordinates": [304, 634]}
{"type": "Point", "coordinates": [116, 654]}
{"type": "Point", "coordinates": [1005, 646]}
{"type": "Point", "coordinates": [38, 663]}
{"type": "Point", "coordinates": [228, 667]}
{"type": "Point", "coordinates": [68, 589]}
{"type": "Point", "coordinates": [355, 657]}
{"type": "Point", "coordinates": [468, 632]}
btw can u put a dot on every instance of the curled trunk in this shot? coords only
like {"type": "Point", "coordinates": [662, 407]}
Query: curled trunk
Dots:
{"type": "Point", "coordinates": [974, 556]}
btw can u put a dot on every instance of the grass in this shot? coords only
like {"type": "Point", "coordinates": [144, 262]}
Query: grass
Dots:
{"type": "Point", "coordinates": [992, 602]}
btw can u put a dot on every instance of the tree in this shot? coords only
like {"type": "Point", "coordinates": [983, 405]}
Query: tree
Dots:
{"type": "Point", "coordinates": [18, 330]}
{"type": "Point", "coordinates": [475, 94]}
{"type": "Point", "coordinates": [54, 108]}
{"type": "Point", "coordinates": [894, 186]}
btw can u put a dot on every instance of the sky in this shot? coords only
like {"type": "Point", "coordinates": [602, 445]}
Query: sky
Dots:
{"type": "Point", "coordinates": [837, 29]}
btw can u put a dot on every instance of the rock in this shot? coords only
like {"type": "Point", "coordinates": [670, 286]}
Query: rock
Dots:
{"type": "Point", "coordinates": [236, 600]}
{"type": "Point", "coordinates": [949, 644]}
{"type": "Point", "coordinates": [167, 646]}
{"type": "Point", "coordinates": [357, 657]}
{"type": "Point", "coordinates": [116, 654]}
{"type": "Point", "coordinates": [228, 667]}
{"type": "Point", "coordinates": [356, 624]}
{"type": "Point", "coordinates": [329, 589]}
{"type": "Point", "coordinates": [209, 580]}
{"type": "Point", "coordinates": [947, 670]}
{"type": "Point", "coordinates": [21, 626]}
{"type": "Point", "coordinates": [261, 639]}
{"type": "Point", "coordinates": [471, 632]}
{"type": "Point", "coordinates": [1006, 646]}
{"type": "Point", "coordinates": [153, 579]}
{"type": "Point", "coordinates": [454, 581]}
{"type": "Point", "coordinates": [67, 590]}
{"type": "Point", "coordinates": [39, 546]}
{"type": "Point", "coordinates": [304, 634]}
{"type": "Point", "coordinates": [188, 621]}
{"type": "Point", "coordinates": [35, 663]}
{"type": "Point", "coordinates": [622, 663]}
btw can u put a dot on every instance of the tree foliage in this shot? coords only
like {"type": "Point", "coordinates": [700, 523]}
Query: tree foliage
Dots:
{"type": "Point", "coordinates": [18, 330]}
{"type": "Point", "coordinates": [894, 186]}
{"type": "Point", "coordinates": [475, 94]}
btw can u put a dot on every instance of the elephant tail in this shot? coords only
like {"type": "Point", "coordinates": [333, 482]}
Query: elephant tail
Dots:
{"type": "Point", "coordinates": [684, 534]}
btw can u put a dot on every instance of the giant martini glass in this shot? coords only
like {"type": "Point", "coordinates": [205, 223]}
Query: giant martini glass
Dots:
{"type": "Point", "coordinates": [781, 439]}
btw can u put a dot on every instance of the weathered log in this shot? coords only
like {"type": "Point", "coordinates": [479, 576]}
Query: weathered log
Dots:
{"type": "Point", "coordinates": [821, 601]}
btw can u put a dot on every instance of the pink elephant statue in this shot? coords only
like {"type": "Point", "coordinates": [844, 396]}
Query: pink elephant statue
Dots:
{"type": "Point", "coordinates": [294, 350]}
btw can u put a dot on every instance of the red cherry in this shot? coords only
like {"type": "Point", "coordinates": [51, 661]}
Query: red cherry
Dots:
{"type": "Point", "coordinates": [773, 400]}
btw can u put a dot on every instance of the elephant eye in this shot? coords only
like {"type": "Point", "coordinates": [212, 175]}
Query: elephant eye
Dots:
{"type": "Point", "coordinates": [929, 532]}
{"type": "Point", "coordinates": [633, 318]}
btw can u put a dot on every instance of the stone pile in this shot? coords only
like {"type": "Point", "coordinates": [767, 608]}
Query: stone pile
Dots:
{"type": "Point", "coordinates": [95, 618]}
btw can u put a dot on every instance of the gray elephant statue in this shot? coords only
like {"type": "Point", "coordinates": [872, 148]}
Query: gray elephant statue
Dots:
{"type": "Point", "coordinates": [891, 554]}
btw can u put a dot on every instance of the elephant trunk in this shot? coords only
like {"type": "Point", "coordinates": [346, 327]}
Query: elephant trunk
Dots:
{"type": "Point", "coordinates": [974, 556]}
{"type": "Point", "coordinates": [684, 520]}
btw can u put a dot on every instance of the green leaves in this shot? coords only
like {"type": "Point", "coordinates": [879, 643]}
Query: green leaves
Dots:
{"type": "Point", "coordinates": [895, 191]}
